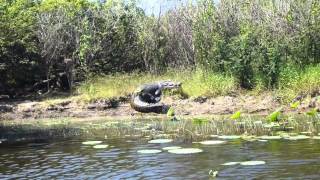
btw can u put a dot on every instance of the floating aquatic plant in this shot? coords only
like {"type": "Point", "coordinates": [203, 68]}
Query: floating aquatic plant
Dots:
{"type": "Point", "coordinates": [185, 151]}
{"type": "Point", "coordinates": [271, 125]}
{"type": "Point", "coordinates": [263, 140]}
{"type": "Point", "coordinates": [306, 132]}
{"type": "Point", "coordinates": [100, 146]}
{"type": "Point", "coordinates": [245, 163]}
{"type": "Point", "coordinates": [249, 138]}
{"type": "Point", "coordinates": [252, 163]}
{"type": "Point", "coordinates": [214, 136]}
{"type": "Point", "coordinates": [299, 137]}
{"type": "Point", "coordinates": [316, 137]}
{"type": "Point", "coordinates": [230, 163]}
{"type": "Point", "coordinates": [229, 137]}
{"type": "Point", "coordinates": [270, 137]}
{"type": "Point", "coordinates": [91, 142]}
{"type": "Point", "coordinates": [257, 122]}
{"type": "Point", "coordinates": [160, 141]}
{"type": "Point", "coordinates": [171, 147]}
{"type": "Point", "coordinates": [212, 142]}
{"type": "Point", "coordinates": [149, 151]}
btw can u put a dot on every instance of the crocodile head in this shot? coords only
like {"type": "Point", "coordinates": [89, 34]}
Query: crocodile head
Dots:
{"type": "Point", "coordinates": [169, 84]}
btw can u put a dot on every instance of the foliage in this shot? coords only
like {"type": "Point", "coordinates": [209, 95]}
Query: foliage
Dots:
{"type": "Point", "coordinates": [18, 45]}
{"type": "Point", "coordinates": [313, 112]}
{"type": "Point", "coordinates": [296, 82]}
{"type": "Point", "coordinates": [250, 44]}
{"type": "Point", "coordinates": [236, 115]}
{"type": "Point", "coordinates": [295, 105]}
{"type": "Point", "coordinates": [171, 112]}
{"type": "Point", "coordinates": [194, 84]}
{"type": "Point", "coordinates": [274, 116]}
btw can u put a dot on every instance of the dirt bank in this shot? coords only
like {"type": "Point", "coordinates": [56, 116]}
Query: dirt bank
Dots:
{"type": "Point", "coordinates": [248, 104]}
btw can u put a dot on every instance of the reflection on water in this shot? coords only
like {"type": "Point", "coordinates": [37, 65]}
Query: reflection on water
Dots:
{"type": "Point", "coordinates": [69, 159]}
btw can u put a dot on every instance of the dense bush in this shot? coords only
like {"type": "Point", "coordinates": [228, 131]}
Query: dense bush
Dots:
{"type": "Point", "coordinates": [253, 41]}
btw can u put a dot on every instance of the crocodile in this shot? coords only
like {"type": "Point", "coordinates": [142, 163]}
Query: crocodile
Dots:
{"type": "Point", "coordinates": [147, 97]}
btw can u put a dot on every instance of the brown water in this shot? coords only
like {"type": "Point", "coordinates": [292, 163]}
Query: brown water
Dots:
{"type": "Point", "coordinates": [69, 159]}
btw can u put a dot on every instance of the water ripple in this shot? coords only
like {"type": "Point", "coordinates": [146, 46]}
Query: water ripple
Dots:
{"type": "Point", "coordinates": [71, 160]}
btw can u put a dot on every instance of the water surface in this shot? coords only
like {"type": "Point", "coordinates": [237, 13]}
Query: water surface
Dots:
{"type": "Point", "coordinates": [69, 159]}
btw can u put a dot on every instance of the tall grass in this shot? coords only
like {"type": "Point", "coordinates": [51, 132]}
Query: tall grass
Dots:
{"type": "Point", "coordinates": [194, 84]}
{"type": "Point", "coordinates": [201, 83]}
{"type": "Point", "coordinates": [294, 82]}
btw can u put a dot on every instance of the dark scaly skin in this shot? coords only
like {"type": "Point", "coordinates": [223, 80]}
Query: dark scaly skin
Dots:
{"type": "Point", "coordinates": [147, 98]}
{"type": "Point", "coordinates": [143, 107]}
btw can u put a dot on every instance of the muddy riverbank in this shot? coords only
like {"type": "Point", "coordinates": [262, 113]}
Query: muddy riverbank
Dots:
{"type": "Point", "coordinates": [119, 107]}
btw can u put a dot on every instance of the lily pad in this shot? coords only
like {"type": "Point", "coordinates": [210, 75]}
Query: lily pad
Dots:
{"type": "Point", "coordinates": [299, 137]}
{"type": "Point", "coordinates": [171, 148]}
{"type": "Point", "coordinates": [249, 138]}
{"type": "Point", "coordinates": [149, 151]}
{"type": "Point", "coordinates": [271, 125]}
{"type": "Point", "coordinates": [91, 142]}
{"type": "Point", "coordinates": [230, 163]}
{"type": "Point", "coordinates": [211, 142]}
{"type": "Point", "coordinates": [306, 133]}
{"type": "Point", "coordinates": [214, 136]}
{"type": "Point", "coordinates": [257, 122]}
{"type": "Point", "coordinates": [283, 134]}
{"type": "Point", "coordinates": [263, 140]}
{"type": "Point", "coordinates": [316, 137]}
{"type": "Point", "coordinates": [160, 141]}
{"type": "Point", "coordinates": [252, 163]}
{"type": "Point", "coordinates": [270, 137]}
{"type": "Point", "coordinates": [100, 146]}
{"type": "Point", "coordinates": [185, 151]}
{"type": "Point", "coordinates": [229, 137]}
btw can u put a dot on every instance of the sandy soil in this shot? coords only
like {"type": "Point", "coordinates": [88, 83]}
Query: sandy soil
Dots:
{"type": "Point", "coordinates": [247, 104]}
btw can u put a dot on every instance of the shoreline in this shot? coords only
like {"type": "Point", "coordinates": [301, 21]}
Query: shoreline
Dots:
{"type": "Point", "coordinates": [185, 128]}
{"type": "Point", "coordinates": [262, 104]}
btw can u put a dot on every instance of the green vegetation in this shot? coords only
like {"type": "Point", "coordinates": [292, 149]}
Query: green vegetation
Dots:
{"type": "Point", "coordinates": [171, 112]}
{"type": "Point", "coordinates": [214, 49]}
{"type": "Point", "coordinates": [194, 84]}
{"type": "Point", "coordinates": [188, 128]}
{"type": "Point", "coordinates": [274, 116]}
{"type": "Point", "coordinates": [236, 115]}
{"type": "Point", "coordinates": [294, 82]}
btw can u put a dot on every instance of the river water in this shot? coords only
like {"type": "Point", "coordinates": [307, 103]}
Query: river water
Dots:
{"type": "Point", "coordinates": [70, 159]}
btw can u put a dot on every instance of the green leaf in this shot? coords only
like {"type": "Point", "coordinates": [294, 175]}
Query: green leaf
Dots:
{"type": "Point", "coordinates": [313, 112]}
{"type": "Point", "coordinates": [295, 105]}
{"type": "Point", "coordinates": [170, 112]}
{"type": "Point", "coordinates": [274, 116]}
{"type": "Point", "coordinates": [236, 115]}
